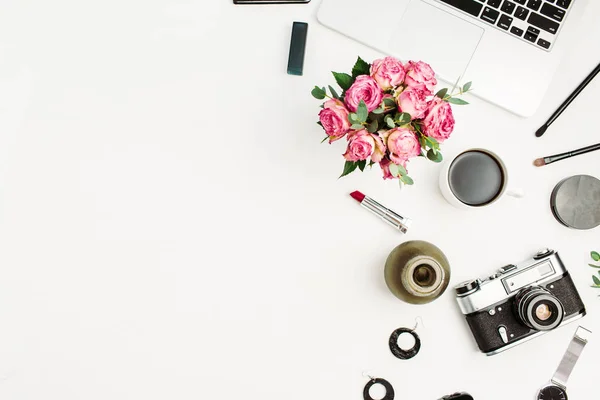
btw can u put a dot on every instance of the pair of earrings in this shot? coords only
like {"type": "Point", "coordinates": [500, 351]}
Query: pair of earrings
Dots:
{"type": "Point", "coordinates": [397, 351]}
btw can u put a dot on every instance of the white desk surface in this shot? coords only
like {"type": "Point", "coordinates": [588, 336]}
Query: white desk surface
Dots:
{"type": "Point", "coordinates": [171, 228]}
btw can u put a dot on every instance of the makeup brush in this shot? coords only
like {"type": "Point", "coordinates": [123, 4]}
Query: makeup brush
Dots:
{"type": "Point", "coordinates": [568, 101]}
{"type": "Point", "coordinates": [540, 162]}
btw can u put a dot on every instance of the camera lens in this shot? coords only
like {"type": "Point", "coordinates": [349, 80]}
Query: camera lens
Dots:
{"type": "Point", "coordinates": [539, 309]}
{"type": "Point", "coordinates": [543, 312]}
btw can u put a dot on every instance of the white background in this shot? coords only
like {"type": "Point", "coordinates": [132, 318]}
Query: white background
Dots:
{"type": "Point", "coordinates": [171, 228]}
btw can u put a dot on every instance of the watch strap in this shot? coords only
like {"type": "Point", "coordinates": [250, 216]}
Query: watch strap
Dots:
{"type": "Point", "coordinates": [580, 339]}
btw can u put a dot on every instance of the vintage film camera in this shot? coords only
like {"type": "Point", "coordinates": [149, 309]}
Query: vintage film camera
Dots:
{"type": "Point", "coordinates": [519, 302]}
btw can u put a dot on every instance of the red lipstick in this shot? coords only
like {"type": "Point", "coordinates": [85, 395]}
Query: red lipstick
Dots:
{"type": "Point", "coordinates": [392, 218]}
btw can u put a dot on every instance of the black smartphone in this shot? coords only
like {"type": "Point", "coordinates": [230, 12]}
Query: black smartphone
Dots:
{"type": "Point", "coordinates": [271, 1]}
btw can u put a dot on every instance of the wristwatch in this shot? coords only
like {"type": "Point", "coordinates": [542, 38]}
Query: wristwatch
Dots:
{"type": "Point", "coordinates": [556, 389]}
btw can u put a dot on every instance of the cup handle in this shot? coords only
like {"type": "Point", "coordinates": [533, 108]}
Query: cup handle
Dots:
{"type": "Point", "coordinates": [516, 193]}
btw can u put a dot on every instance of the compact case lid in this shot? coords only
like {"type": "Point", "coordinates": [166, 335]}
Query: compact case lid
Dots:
{"type": "Point", "coordinates": [575, 202]}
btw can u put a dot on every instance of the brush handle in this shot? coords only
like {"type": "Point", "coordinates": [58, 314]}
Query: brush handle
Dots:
{"type": "Point", "coordinates": [573, 95]}
{"type": "Point", "coordinates": [585, 150]}
{"type": "Point", "coordinates": [573, 153]}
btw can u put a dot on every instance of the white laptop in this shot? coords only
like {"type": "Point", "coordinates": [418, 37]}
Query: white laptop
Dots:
{"type": "Point", "coordinates": [510, 49]}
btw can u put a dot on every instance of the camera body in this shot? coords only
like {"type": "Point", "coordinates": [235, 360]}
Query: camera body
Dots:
{"type": "Point", "coordinates": [519, 302]}
{"type": "Point", "coordinates": [458, 396]}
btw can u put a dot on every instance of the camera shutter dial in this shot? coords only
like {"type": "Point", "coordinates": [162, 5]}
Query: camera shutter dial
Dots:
{"type": "Point", "coordinates": [467, 287]}
{"type": "Point", "coordinates": [543, 253]}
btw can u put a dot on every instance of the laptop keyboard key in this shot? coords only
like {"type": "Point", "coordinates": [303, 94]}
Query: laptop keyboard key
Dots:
{"type": "Point", "coordinates": [494, 3]}
{"type": "Point", "coordinates": [522, 13]}
{"type": "Point", "coordinates": [553, 12]}
{"type": "Point", "coordinates": [505, 22]}
{"type": "Point", "coordinates": [543, 23]}
{"type": "Point", "coordinates": [469, 6]}
{"type": "Point", "coordinates": [544, 43]}
{"type": "Point", "coordinates": [563, 3]}
{"type": "Point", "coordinates": [516, 31]}
{"type": "Point", "coordinates": [490, 15]}
{"type": "Point", "coordinates": [508, 7]}
{"type": "Point", "coordinates": [522, 2]}
{"type": "Point", "coordinates": [534, 4]}
{"type": "Point", "coordinates": [530, 36]}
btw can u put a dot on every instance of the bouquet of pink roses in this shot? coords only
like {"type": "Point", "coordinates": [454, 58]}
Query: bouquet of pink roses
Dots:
{"type": "Point", "coordinates": [389, 114]}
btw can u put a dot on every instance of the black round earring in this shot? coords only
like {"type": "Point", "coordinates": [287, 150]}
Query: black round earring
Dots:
{"type": "Point", "coordinates": [401, 353]}
{"type": "Point", "coordinates": [389, 390]}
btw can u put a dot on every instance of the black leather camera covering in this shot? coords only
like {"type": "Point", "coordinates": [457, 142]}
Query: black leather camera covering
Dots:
{"type": "Point", "coordinates": [485, 326]}
{"type": "Point", "coordinates": [458, 396]}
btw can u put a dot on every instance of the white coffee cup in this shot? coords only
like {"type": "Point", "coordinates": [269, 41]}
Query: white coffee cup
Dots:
{"type": "Point", "coordinates": [455, 200]}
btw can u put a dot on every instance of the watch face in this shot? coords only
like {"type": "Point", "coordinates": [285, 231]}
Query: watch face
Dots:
{"type": "Point", "coordinates": [552, 393]}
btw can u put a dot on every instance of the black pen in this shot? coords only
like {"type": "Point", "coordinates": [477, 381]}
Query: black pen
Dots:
{"type": "Point", "coordinates": [568, 101]}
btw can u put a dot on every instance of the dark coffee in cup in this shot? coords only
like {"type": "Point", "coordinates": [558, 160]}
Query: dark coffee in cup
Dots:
{"type": "Point", "coordinates": [476, 178]}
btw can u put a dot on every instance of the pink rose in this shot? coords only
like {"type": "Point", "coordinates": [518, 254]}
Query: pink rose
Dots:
{"type": "Point", "coordinates": [385, 168]}
{"type": "Point", "coordinates": [402, 144]}
{"type": "Point", "coordinates": [364, 88]}
{"type": "Point", "coordinates": [361, 145]}
{"type": "Point", "coordinates": [379, 150]}
{"type": "Point", "coordinates": [388, 72]}
{"type": "Point", "coordinates": [439, 120]}
{"type": "Point", "coordinates": [419, 75]}
{"type": "Point", "coordinates": [414, 102]}
{"type": "Point", "coordinates": [334, 118]}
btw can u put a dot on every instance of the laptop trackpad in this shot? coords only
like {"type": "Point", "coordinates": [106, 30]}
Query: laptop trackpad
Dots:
{"type": "Point", "coordinates": [430, 34]}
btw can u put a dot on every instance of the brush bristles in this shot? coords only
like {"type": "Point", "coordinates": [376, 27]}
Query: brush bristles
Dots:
{"type": "Point", "coordinates": [541, 131]}
{"type": "Point", "coordinates": [540, 162]}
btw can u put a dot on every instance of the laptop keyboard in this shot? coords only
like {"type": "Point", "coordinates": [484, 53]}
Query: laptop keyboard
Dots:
{"type": "Point", "coordinates": [535, 21]}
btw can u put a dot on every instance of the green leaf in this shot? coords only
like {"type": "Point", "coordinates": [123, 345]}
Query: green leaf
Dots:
{"type": "Point", "coordinates": [442, 93]}
{"type": "Point", "coordinates": [362, 164]}
{"type": "Point", "coordinates": [362, 112]}
{"type": "Point", "coordinates": [389, 102]}
{"type": "Point", "coordinates": [333, 92]}
{"type": "Point", "coordinates": [319, 123]}
{"type": "Point", "coordinates": [344, 80]}
{"type": "Point", "coordinates": [318, 93]}
{"type": "Point", "coordinates": [361, 68]}
{"type": "Point", "coordinates": [353, 118]}
{"type": "Point", "coordinates": [595, 256]}
{"type": "Point", "coordinates": [394, 169]}
{"type": "Point", "coordinates": [594, 266]}
{"type": "Point", "coordinates": [402, 119]}
{"type": "Point", "coordinates": [407, 180]}
{"type": "Point", "coordinates": [467, 87]}
{"type": "Point", "coordinates": [417, 127]}
{"type": "Point", "coordinates": [373, 126]}
{"type": "Point", "coordinates": [378, 117]}
{"type": "Point", "coordinates": [357, 126]}
{"type": "Point", "coordinates": [371, 163]}
{"type": "Point", "coordinates": [349, 167]}
{"type": "Point", "coordinates": [378, 111]}
{"type": "Point", "coordinates": [596, 280]}
{"type": "Point", "coordinates": [431, 142]}
{"type": "Point", "coordinates": [434, 156]}
{"type": "Point", "coordinates": [326, 137]}
{"type": "Point", "coordinates": [457, 101]}
{"type": "Point", "coordinates": [390, 121]}
{"type": "Point", "coordinates": [402, 171]}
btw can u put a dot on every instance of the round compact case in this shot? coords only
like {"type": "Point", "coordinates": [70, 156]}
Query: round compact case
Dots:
{"type": "Point", "coordinates": [575, 202]}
